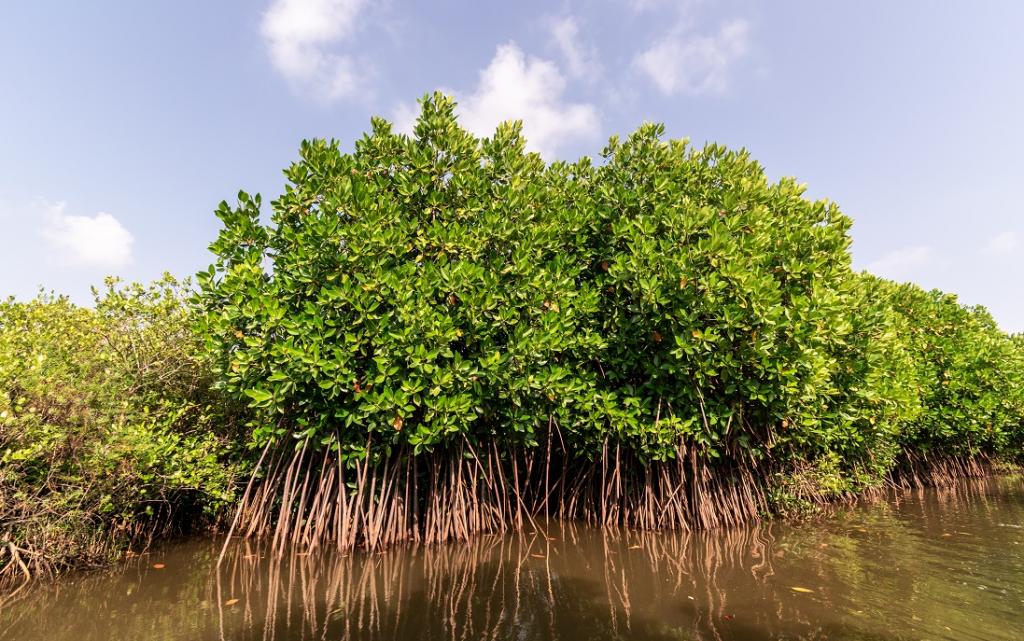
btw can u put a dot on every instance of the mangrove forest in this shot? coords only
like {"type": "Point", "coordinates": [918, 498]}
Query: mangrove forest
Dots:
{"type": "Point", "coordinates": [435, 336]}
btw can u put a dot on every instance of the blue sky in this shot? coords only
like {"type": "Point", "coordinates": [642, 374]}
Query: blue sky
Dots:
{"type": "Point", "coordinates": [123, 124]}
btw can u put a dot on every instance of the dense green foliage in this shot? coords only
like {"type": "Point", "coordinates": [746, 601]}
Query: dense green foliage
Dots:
{"type": "Point", "coordinates": [967, 373]}
{"type": "Point", "coordinates": [438, 291]}
{"type": "Point", "coordinates": [419, 290]}
{"type": "Point", "coordinates": [108, 429]}
{"type": "Point", "coordinates": [429, 289]}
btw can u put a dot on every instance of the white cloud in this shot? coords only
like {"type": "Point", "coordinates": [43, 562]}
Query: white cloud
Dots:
{"type": "Point", "coordinates": [581, 60]}
{"type": "Point", "coordinates": [403, 117]}
{"type": "Point", "coordinates": [514, 87]}
{"type": "Point", "coordinates": [300, 35]}
{"type": "Point", "coordinates": [89, 241]}
{"type": "Point", "coordinates": [683, 62]}
{"type": "Point", "coordinates": [901, 264]}
{"type": "Point", "coordinates": [1002, 244]}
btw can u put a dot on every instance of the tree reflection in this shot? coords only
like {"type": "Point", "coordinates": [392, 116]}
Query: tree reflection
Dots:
{"type": "Point", "coordinates": [946, 563]}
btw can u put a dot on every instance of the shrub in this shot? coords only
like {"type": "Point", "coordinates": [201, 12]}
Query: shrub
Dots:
{"type": "Point", "coordinates": [429, 288]}
{"type": "Point", "coordinates": [967, 374]}
{"type": "Point", "coordinates": [108, 432]}
{"type": "Point", "coordinates": [721, 298]}
{"type": "Point", "coordinates": [417, 291]}
{"type": "Point", "coordinates": [666, 331]}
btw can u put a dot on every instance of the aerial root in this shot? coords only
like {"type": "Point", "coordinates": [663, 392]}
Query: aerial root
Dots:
{"type": "Point", "coordinates": [310, 499]}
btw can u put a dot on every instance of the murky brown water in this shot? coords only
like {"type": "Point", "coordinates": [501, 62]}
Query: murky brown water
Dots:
{"type": "Point", "coordinates": [941, 564]}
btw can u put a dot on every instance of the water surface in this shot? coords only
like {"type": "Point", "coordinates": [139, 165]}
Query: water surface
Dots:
{"type": "Point", "coordinates": [938, 564]}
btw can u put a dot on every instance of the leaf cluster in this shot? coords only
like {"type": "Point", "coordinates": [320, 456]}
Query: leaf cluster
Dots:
{"type": "Point", "coordinates": [437, 288]}
{"type": "Point", "coordinates": [108, 429]}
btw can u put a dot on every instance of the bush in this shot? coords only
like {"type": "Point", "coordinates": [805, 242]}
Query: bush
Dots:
{"type": "Point", "coordinates": [430, 288]}
{"type": "Point", "coordinates": [108, 432]}
{"type": "Point", "coordinates": [968, 374]}
{"type": "Point", "coordinates": [416, 292]}
{"type": "Point", "coordinates": [437, 292]}
{"type": "Point", "coordinates": [721, 298]}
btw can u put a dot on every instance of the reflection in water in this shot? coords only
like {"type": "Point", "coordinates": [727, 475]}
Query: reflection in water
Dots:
{"type": "Point", "coordinates": [935, 564]}
{"type": "Point", "coordinates": [552, 584]}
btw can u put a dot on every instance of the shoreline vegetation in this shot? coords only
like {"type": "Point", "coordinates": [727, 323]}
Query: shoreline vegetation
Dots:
{"type": "Point", "coordinates": [438, 335]}
{"type": "Point", "coordinates": [533, 583]}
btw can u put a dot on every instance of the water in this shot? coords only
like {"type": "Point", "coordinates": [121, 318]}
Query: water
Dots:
{"type": "Point", "coordinates": [939, 564]}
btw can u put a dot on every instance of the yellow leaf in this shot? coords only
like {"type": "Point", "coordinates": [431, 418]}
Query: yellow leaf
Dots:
{"type": "Point", "coordinates": [798, 589]}
{"type": "Point", "coordinates": [231, 602]}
